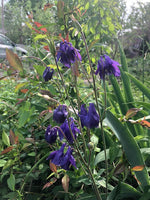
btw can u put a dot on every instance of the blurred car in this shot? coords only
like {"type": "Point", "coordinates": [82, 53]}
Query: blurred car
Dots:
{"type": "Point", "coordinates": [6, 43]}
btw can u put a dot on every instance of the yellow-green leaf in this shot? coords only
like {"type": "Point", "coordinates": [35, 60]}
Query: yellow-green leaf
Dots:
{"type": "Point", "coordinates": [14, 60]}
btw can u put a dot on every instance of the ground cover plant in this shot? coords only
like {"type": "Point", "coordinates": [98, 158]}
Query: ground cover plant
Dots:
{"type": "Point", "coordinates": [71, 125]}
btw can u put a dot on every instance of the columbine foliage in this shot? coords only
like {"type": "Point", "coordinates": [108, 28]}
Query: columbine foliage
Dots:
{"type": "Point", "coordinates": [74, 134]}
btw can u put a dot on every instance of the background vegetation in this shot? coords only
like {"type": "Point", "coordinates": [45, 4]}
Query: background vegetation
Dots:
{"type": "Point", "coordinates": [27, 102]}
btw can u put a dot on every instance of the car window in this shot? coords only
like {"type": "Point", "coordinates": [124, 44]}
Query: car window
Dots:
{"type": "Point", "coordinates": [5, 41]}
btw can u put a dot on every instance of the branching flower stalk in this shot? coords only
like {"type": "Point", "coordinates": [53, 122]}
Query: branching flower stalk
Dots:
{"type": "Point", "coordinates": [87, 167]}
{"type": "Point", "coordinates": [96, 99]}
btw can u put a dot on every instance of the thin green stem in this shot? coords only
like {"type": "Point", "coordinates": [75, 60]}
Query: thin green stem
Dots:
{"type": "Point", "coordinates": [65, 87]}
{"type": "Point", "coordinates": [101, 119]}
{"type": "Point", "coordinates": [28, 174]}
{"type": "Point", "coordinates": [103, 135]}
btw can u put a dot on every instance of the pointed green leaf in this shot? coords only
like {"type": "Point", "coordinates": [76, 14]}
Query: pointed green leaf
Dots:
{"type": "Point", "coordinates": [130, 147]}
{"type": "Point", "coordinates": [124, 191]}
{"type": "Point", "coordinates": [5, 139]}
{"type": "Point", "coordinates": [120, 99]}
{"type": "Point", "coordinates": [11, 182]}
{"type": "Point", "coordinates": [140, 85]}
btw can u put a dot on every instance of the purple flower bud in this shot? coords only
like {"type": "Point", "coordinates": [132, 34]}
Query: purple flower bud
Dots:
{"type": "Point", "coordinates": [51, 134]}
{"type": "Point", "coordinates": [66, 130]}
{"type": "Point", "coordinates": [67, 54]}
{"type": "Point", "coordinates": [47, 74]}
{"type": "Point", "coordinates": [107, 66]}
{"type": "Point", "coordinates": [89, 118]}
{"type": "Point", "coordinates": [60, 114]}
{"type": "Point", "coordinates": [61, 159]}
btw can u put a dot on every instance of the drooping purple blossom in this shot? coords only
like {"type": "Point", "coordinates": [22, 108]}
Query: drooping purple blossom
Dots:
{"type": "Point", "coordinates": [68, 159]}
{"type": "Point", "coordinates": [67, 54]}
{"type": "Point", "coordinates": [107, 66]}
{"type": "Point", "coordinates": [51, 134]}
{"type": "Point", "coordinates": [47, 74]}
{"type": "Point", "coordinates": [60, 114]}
{"type": "Point", "coordinates": [63, 160]}
{"type": "Point", "coordinates": [57, 156]}
{"type": "Point", "coordinates": [89, 118]}
{"type": "Point", "coordinates": [66, 130]}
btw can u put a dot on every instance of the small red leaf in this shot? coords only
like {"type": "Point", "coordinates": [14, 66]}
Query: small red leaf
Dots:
{"type": "Point", "coordinates": [65, 183]}
{"type": "Point", "coordinates": [61, 37]}
{"type": "Point", "coordinates": [52, 167]}
{"type": "Point", "coordinates": [52, 181]}
{"type": "Point", "coordinates": [39, 25]}
{"type": "Point", "coordinates": [67, 37]}
{"type": "Point", "coordinates": [132, 112]}
{"type": "Point", "coordinates": [24, 91]}
{"type": "Point", "coordinates": [37, 31]}
{"type": "Point", "coordinates": [137, 180]}
{"type": "Point", "coordinates": [48, 5]}
{"type": "Point", "coordinates": [8, 149]}
{"type": "Point", "coordinates": [46, 48]}
{"type": "Point", "coordinates": [145, 123]}
{"type": "Point", "coordinates": [138, 168]}
{"type": "Point", "coordinates": [20, 101]}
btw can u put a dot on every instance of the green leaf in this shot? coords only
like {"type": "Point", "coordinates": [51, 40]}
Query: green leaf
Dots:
{"type": "Point", "coordinates": [140, 85]}
{"type": "Point", "coordinates": [11, 196]}
{"type": "Point", "coordinates": [8, 164]}
{"type": "Point", "coordinates": [2, 162]}
{"type": "Point", "coordinates": [145, 196]}
{"type": "Point", "coordinates": [113, 152]}
{"type": "Point", "coordinates": [24, 116]}
{"type": "Point", "coordinates": [40, 69]}
{"type": "Point", "coordinates": [31, 154]}
{"type": "Point", "coordinates": [101, 157]}
{"type": "Point", "coordinates": [43, 57]}
{"type": "Point", "coordinates": [127, 88]}
{"type": "Point", "coordinates": [39, 36]}
{"type": "Point", "coordinates": [11, 182]}
{"type": "Point", "coordinates": [122, 104]}
{"type": "Point", "coordinates": [5, 139]}
{"type": "Point", "coordinates": [124, 191]}
{"type": "Point", "coordinates": [130, 147]}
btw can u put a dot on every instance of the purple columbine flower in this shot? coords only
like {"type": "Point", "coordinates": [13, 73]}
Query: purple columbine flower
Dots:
{"type": "Point", "coordinates": [57, 156]}
{"type": "Point", "coordinates": [107, 66]}
{"type": "Point", "coordinates": [65, 128]}
{"type": "Point", "coordinates": [51, 134]}
{"type": "Point", "coordinates": [67, 54]}
{"type": "Point", "coordinates": [47, 74]}
{"type": "Point", "coordinates": [60, 114]}
{"type": "Point", "coordinates": [89, 118]}
{"type": "Point", "coordinates": [61, 159]}
{"type": "Point", "coordinates": [68, 160]}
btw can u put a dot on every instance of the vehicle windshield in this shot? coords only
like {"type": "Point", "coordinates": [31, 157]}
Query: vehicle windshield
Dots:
{"type": "Point", "coordinates": [5, 41]}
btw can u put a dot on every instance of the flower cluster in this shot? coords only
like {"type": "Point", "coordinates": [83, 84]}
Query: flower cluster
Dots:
{"type": "Point", "coordinates": [67, 54]}
{"type": "Point", "coordinates": [68, 130]}
{"type": "Point", "coordinates": [89, 117]}
{"type": "Point", "coordinates": [107, 66]}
